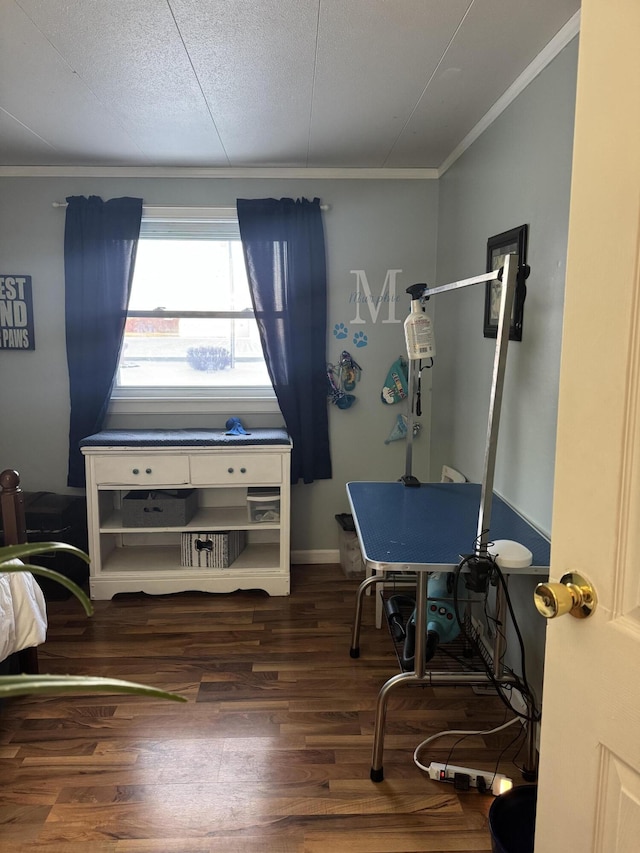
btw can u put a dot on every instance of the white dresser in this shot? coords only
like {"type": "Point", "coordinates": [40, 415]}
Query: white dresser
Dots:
{"type": "Point", "coordinates": [126, 557]}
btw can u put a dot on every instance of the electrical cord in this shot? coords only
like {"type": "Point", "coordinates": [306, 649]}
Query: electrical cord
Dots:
{"type": "Point", "coordinates": [503, 583]}
{"type": "Point", "coordinates": [514, 760]}
{"type": "Point", "coordinates": [463, 733]}
{"type": "Point", "coordinates": [519, 735]}
{"type": "Point", "coordinates": [501, 688]}
{"type": "Point", "coordinates": [522, 682]}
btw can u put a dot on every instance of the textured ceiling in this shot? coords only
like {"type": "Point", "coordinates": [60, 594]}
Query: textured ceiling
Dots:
{"type": "Point", "coordinates": [258, 83]}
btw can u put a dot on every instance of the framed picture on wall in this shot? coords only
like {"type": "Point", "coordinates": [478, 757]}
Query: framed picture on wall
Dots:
{"type": "Point", "coordinates": [509, 242]}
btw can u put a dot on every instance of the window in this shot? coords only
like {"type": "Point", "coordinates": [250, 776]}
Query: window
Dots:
{"type": "Point", "coordinates": [190, 329]}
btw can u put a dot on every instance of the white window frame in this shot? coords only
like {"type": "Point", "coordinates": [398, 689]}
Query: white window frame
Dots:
{"type": "Point", "coordinates": [187, 222]}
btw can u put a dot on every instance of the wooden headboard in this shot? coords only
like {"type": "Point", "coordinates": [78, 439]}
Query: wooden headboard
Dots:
{"type": "Point", "coordinates": [12, 508]}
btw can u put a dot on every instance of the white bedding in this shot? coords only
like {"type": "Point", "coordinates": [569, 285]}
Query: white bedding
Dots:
{"type": "Point", "coordinates": [23, 613]}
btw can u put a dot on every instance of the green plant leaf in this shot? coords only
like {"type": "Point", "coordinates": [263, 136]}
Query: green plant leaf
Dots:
{"type": "Point", "coordinates": [32, 549]}
{"type": "Point", "coordinates": [22, 685]}
{"type": "Point", "coordinates": [11, 557]}
{"type": "Point", "coordinates": [16, 565]}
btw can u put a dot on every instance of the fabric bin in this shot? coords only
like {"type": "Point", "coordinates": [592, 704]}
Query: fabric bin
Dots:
{"type": "Point", "coordinates": [351, 558]}
{"type": "Point", "coordinates": [351, 555]}
{"type": "Point", "coordinates": [159, 508]}
{"type": "Point", "coordinates": [212, 550]}
{"type": "Point", "coordinates": [263, 505]}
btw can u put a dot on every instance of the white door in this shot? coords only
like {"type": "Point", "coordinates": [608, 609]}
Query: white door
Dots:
{"type": "Point", "coordinates": [589, 782]}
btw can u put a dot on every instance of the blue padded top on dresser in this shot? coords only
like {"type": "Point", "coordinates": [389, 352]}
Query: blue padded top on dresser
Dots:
{"type": "Point", "coordinates": [182, 438]}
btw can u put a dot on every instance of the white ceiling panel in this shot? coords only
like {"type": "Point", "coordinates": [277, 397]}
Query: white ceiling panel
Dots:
{"type": "Point", "coordinates": [234, 83]}
{"type": "Point", "coordinates": [19, 142]}
{"type": "Point", "coordinates": [494, 45]}
{"type": "Point", "coordinates": [43, 94]}
{"type": "Point", "coordinates": [255, 63]}
{"type": "Point", "coordinates": [130, 55]}
{"type": "Point", "coordinates": [374, 60]}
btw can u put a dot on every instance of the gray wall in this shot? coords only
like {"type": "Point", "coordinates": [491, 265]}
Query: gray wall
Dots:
{"type": "Point", "coordinates": [517, 172]}
{"type": "Point", "coordinates": [373, 225]}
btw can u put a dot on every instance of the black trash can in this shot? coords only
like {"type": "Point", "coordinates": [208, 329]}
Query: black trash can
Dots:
{"type": "Point", "coordinates": [512, 820]}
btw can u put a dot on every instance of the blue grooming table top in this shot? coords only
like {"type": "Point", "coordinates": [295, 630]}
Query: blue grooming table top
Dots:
{"type": "Point", "coordinates": [434, 524]}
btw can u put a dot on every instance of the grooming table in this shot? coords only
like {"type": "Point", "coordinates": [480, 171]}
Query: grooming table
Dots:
{"type": "Point", "coordinates": [427, 529]}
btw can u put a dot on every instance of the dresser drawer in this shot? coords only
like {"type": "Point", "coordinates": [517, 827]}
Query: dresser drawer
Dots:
{"type": "Point", "coordinates": [134, 469]}
{"type": "Point", "coordinates": [236, 469]}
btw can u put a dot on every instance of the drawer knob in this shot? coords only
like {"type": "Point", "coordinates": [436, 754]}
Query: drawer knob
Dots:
{"type": "Point", "coordinates": [230, 470]}
{"type": "Point", "coordinates": [148, 470]}
{"type": "Point", "coordinates": [136, 471]}
{"type": "Point", "coordinates": [243, 470]}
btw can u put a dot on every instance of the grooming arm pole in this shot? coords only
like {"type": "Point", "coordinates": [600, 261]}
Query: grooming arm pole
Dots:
{"type": "Point", "coordinates": [508, 274]}
{"type": "Point", "coordinates": [411, 382]}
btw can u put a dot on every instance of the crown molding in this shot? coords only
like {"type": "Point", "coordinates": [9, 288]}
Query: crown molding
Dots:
{"type": "Point", "coordinates": [549, 53]}
{"type": "Point", "coordinates": [216, 173]}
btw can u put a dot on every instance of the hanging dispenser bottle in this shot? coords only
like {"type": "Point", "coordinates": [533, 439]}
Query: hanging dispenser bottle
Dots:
{"type": "Point", "coordinates": [418, 331]}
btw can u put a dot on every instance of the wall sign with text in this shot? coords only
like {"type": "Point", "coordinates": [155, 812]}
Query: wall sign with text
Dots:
{"type": "Point", "coordinates": [16, 312]}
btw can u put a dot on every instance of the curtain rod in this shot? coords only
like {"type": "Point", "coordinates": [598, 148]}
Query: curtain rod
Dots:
{"type": "Point", "coordinates": [151, 207]}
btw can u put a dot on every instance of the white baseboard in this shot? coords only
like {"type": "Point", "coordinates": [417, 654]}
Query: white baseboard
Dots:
{"type": "Point", "coordinates": [302, 558]}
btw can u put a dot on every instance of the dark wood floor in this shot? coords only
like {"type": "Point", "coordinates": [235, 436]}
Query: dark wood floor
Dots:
{"type": "Point", "coordinates": [272, 751]}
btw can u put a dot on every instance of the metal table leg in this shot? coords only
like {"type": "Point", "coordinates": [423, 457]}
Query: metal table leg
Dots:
{"type": "Point", "coordinates": [420, 676]}
{"type": "Point", "coordinates": [354, 651]}
{"type": "Point", "coordinates": [377, 772]}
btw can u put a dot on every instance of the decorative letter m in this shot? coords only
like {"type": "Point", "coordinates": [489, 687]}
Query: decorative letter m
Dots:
{"type": "Point", "coordinates": [363, 296]}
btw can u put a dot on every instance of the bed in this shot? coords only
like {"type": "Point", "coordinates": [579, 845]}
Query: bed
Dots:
{"type": "Point", "coordinates": [23, 612]}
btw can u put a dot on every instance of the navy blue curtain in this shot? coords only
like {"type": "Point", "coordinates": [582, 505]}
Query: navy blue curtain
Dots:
{"type": "Point", "coordinates": [284, 250]}
{"type": "Point", "coordinates": [100, 243]}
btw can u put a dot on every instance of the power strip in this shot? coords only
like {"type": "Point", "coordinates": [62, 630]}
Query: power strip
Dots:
{"type": "Point", "coordinates": [464, 778]}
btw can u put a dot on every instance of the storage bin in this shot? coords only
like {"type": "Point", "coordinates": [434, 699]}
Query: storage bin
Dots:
{"type": "Point", "coordinates": [263, 504]}
{"type": "Point", "coordinates": [159, 508]}
{"type": "Point", "coordinates": [213, 550]}
{"type": "Point", "coordinates": [350, 551]}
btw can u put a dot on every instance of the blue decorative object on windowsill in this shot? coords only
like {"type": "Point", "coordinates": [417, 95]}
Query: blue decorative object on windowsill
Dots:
{"type": "Point", "coordinates": [234, 427]}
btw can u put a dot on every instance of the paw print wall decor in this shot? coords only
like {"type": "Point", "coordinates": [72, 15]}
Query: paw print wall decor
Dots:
{"type": "Point", "coordinates": [340, 331]}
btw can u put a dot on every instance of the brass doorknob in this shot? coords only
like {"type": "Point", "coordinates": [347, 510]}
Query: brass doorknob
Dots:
{"type": "Point", "coordinates": [574, 594]}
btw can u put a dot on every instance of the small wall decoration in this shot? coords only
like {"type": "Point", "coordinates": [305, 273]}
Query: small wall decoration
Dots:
{"type": "Point", "coordinates": [16, 313]}
{"type": "Point", "coordinates": [513, 241]}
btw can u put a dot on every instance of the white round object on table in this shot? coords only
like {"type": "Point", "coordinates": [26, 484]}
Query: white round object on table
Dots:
{"type": "Point", "coordinates": [509, 554]}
